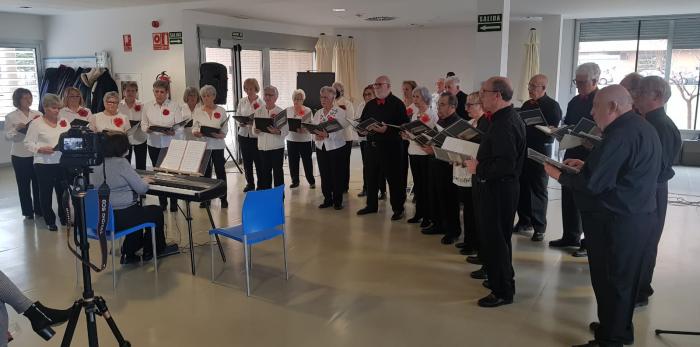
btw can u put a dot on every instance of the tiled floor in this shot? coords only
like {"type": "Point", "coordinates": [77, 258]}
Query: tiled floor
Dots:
{"type": "Point", "coordinates": [353, 282]}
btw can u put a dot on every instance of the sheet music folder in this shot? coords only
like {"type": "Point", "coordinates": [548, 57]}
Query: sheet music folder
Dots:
{"type": "Point", "coordinates": [542, 159]}
{"type": "Point", "coordinates": [184, 158]}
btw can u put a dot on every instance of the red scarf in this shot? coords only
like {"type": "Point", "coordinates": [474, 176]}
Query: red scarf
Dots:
{"type": "Point", "coordinates": [381, 101]}
{"type": "Point", "coordinates": [488, 115]}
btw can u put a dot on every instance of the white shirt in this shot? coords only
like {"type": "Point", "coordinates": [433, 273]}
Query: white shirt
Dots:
{"type": "Point", "coordinates": [69, 115]}
{"type": "Point", "coordinates": [202, 118]}
{"type": "Point", "coordinates": [16, 138]}
{"type": "Point", "coordinates": [346, 105]}
{"type": "Point", "coordinates": [296, 136]}
{"type": "Point", "coordinates": [246, 108]}
{"type": "Point", "coordinates": [429, 118]}
{"type": "Point", "coordinates": [136, 136]}
{"type": "Point", "coordinates": [41, 134]}
{"type": "Point", "coordinates": [267, 141]}
{"type": "Point", "coordinates": [165, 115]}
{"type": "Point", "coordinates": [460, 176]}
{"type": "Point", "coordinates": [336, 139]}
{"type": "Point", "coordinates": [102, 122]}
{"type": "Point", "coordinates": [187, 115]}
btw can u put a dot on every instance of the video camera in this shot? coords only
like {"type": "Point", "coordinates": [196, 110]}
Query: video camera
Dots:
{"type": "Point", "coordinates": [80, 148]}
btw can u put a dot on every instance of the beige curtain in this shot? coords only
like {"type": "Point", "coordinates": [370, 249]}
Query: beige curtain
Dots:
{"type": "Point", "coordinates": [344, 66]}
{"type": "Point", "coordinates": [532, 64]}
{"type": "Point", "coordinates": [324, 54]}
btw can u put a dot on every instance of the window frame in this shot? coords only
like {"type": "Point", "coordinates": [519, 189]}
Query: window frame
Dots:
{"type": "Point", "coordinates": [39, 56]}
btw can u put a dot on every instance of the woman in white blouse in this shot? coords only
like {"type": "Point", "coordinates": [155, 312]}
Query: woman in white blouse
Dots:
{"type": "Point", "coordinates": [42, 136]}
{"type": "Point", "coordinates": [133, 109]}
{"type": "Point", "coordinates": [346, 105]}
{"type": "Point", "coordinates": [161, 112]}
{"type": "Point", "coordinates": [22, 159]}
{"type": "Point", "coordinates": [192, 101]}
{"type": "Point", "coordinates": [299, 142]}
{"type": "Point", "coordinates": [418, 158]}
{"type": "Point", "coordinates": [73, 107]}
{"type": "Point", "coordinates": [110, 118]}
{"type": "Point", "coordinates": [212, 116]}
{"type": "Point", "coordinates": [247, 139]}
{"type": "Point", "coordinates": [271, 143]}
{"type": "Point", "coordinates": [330, 151]}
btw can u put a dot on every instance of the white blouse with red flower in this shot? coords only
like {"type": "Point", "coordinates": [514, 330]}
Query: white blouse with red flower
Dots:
{"type": "Point", "coordinates": [201, 117]}
{"type": "Point", "coordinates": [165, 115]}
{"type": "Point", "coordinates": [429, 118]}
{"type": "Point", "coordinates": [15, 137]}
{"type": "Point", "coordinates": [118, 122]}
{"type": "Point", "coordinates": [42, 134]}
{"type": "Point", "coordinates": [69, 115]}
{"type": "Point", "coordinates": [136, 136]}
{"type": "Point", "coordinates": [336, 139]}
{"type": "Point", "coordinates": [246, 108]}
{"type": "Point", "coordinates": [295, 136]}
{"type": "Point", "coordinates": [267, 141]}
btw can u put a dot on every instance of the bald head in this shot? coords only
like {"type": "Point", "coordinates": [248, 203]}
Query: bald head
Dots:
{"type": "Point", "coordinates": [537, 86]}
{"type": "Point", "coordinates": [610, 103]}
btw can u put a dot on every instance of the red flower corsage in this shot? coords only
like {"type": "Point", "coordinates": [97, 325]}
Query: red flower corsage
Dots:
{"type": "Point", "coordinates": [166, 112]}
{"type": "Point", "coordinates": [425, 119]}
{"type": "Point", "coordinates": [217, 115]}
{"type": "Point", "coordinates": [82, 112]}
{"type": "Point", "coordinates": [301, 112]}
{"type": "Point", "coordinates": [118, 122]}
{"type": "Point", "coordinates": [409, 112]}
{"type": "Point", "coordinates": [331, 118]}
{"type": "Point", "coordinates": [137, 108]}
{"type": "Point", "coordinates": [63, 123]}
{"type": "Point", "coordinates": [256, 105]}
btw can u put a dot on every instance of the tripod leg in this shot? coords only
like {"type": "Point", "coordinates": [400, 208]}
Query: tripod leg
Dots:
{"type": "Point", "coordinates": [103, 311]}
{"type": "Point", "coordinates": [72, 323]}
{"type": "Point", "coordinates": [673, 332]}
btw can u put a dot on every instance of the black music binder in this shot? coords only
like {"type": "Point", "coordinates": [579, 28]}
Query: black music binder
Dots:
{"type": "Point", "coordinates": [79, 122]}
{"type": "Point", "coordinates": [533, 117]}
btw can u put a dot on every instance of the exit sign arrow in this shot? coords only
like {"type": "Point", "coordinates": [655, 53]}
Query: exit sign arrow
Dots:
{"type": "Point", "coordinates": [491, 27]}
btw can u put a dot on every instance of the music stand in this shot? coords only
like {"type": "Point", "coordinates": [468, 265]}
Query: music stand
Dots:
{"type": "Point", "coordinates": [228, 150]}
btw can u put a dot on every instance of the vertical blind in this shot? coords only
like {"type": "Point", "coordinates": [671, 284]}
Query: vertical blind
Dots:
{"type": "Point", "coordinates": [685, 33]}
{"type": "Point", "coordinates": [17, 70]}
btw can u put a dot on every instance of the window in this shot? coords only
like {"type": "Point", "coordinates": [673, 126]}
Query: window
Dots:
{"type": "Point", "coordinates": [284, 66]}
{"type": "Point", "coordinates": [223, 56]}
{"type": "Point", "coordinates": [18, 68]}
{"type": "Point", "coordinates": [251, 66]}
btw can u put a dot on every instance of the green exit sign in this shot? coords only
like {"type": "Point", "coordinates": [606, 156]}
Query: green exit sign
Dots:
{"type": "Point", "coordinates": [489, 22]}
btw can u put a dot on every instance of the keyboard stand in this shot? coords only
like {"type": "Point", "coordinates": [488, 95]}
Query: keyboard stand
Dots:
{"type": "Point", "coordinates": [188, 217]}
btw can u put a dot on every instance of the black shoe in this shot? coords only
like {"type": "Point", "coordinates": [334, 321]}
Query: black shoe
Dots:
{"type": "Point", "coordinates": [362, 194]}
{"type": "Point", "coordinates": [53, 227]}
{"type": "Point", "coordinates": [170, 249]}
{"type": "Point", "coordinates": [467, 251]}
{"type": "Point", "coordinates": [224, 203]}
{"type": "Point", "coordinates": [43, 318]}
{"type": "Point", "coordinates": [592, 343]}
{"type": "Point", "coordinates": [486, 284]}
{"type": "Point", "coordinates": [595, 325]}
{"type": "Point", "coordinates": [580, 253]}
{"type": "Point", "coordinates": [248, 188]}
{"type": "Point", "coordinates": [641, 303]}
{"type": "Point", "coordinates": [294, 185]}
{"type": "Point", "coordinates": [561, 243]}
{"type": "Point", "coordinates": [29, 216]}
{"type": "Point", "coordinates": [479, 274]}
{"type": "Point", "coordinates": [414, 220]}
{"type": "Point", "coordinates": [173, 207]}
{"type": "Point", "coordinates": [365, 211]}
{"type": "Point", "coordinates": [312, 185]}
{"type": "Point", "coordinates": [473, 259]}
{"type": "Point", "coordinates": [382, 196]}
{"type": "Point", "coordinates": [325, 204]}
{"type": "Point", "coordinates": [129, 259]}
{"type": "Point", "coordinates": [448, 239]}
{"type": "Point", "coordinates": [521, 228]}
{"type": "Point", "coordinates": [494, 301]}
{"type": "Point", "coordinates": [460, 244]}
{"type": "Point", "coordinates": [426, 223]}
{"type": "Point", "coordinates": [432, 230]}
{"type": "Point", "coordinates": [338, 207]}
{"type": "Point", "coordinates": [397, 215]}
{"type": "Point", "coordinates": [537, 236]}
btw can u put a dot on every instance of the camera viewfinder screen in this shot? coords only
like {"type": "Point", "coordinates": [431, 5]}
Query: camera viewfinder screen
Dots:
{"type": "Point", "coordinates": [73, 144]}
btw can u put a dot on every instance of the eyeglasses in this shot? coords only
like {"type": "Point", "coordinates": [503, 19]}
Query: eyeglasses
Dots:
{"type": "Point", "coordinates": [379, 84]}
{"type": "Point", "coordinates": [533, 86]}
{"type": "Point", "coordinates": [473, 104]}
{"type": "Point", "coordinates": [367, 94]}
{"type": "Point", "coordinates": [578, 83]}
{"type": "Point", "coordinates": [112, 102]}
{"type": "Point", "coordinates": [270, 95]}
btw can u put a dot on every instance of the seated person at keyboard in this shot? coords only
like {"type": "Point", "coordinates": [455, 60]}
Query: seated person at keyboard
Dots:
{"type": "Point", "coordinates": [125, 186]}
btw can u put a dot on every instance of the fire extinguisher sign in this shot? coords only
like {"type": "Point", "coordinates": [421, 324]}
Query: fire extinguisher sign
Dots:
{"type": "Point", "coordinates": [161, 42]}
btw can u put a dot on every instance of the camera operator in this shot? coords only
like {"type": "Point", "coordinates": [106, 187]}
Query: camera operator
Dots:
{"type": "Point", "coordinates": [125, 187]}
{"type": "Point", "coordinates": [42, 137]}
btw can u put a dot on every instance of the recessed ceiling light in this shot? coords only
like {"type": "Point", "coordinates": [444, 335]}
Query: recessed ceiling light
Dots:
{"type": "Point", "coordinates": [25, 7]}
{"type": "Point", "coordinates": [338, 10]}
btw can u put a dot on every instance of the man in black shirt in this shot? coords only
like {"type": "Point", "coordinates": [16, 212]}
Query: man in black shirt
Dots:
{"type": "Point", "coordinates": [452, 86]}
{"type": "Point", "coordinates": [615, 191]}
{"type": "Point", "coordinates": [497, 168]}
{"type": "Point", "coordinates": [385, 148]}
{"type": "Point", "coordinates": [653, 93]}
{"type": "Point", "coordinates": [532, 205]}
{"type": "Point", "coordinates": [580, 106]}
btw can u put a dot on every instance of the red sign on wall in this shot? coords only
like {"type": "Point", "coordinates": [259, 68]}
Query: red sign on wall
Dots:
{"type": "Point", "coordinates": [161, 42]}
{"type": "Point", "coordinates": [126, 39]}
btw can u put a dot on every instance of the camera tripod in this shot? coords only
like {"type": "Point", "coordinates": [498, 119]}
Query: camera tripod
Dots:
{"type": "Point", "coordinates": [93, 305]}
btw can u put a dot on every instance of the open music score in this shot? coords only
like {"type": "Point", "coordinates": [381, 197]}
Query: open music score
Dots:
{"type": "Point", "coordinates": [183, 157]}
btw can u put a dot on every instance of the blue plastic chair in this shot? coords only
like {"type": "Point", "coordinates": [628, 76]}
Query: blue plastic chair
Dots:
{"type": "Point", "coordinates": [91, 211]}
{"type": "Point", "coordinates": [262, 220]}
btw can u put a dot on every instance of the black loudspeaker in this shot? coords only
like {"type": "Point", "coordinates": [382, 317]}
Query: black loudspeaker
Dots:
{"type": "Point", "coordinates": [215, 74]}
{"type": "Point", "coordinates": [311, 83]}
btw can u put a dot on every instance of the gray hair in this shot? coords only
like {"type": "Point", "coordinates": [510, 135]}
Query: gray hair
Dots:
{"type": "Point", "coordinates": [657, 86]}
{"type": "Point", "coordinates": [423, 93]}
{"type": "Point", "coordinates": [631, 82]}
{"type": "Point", "coordinates": [328, 90]}
{"type": "Point", "coordinates": [110, 95]}
{"type": "Point", "coordinates": [190, 91]}
{"type": "Point", "coordinates": [453, 79]}
{"type": "Point", "coordinates": [51, 100]}
{"type": "Point", "coordinates": [339, 87]}
{"type": "Point", "coordinates": [299, 92]}
{"type": "Point", "coordinates": [590, 70]}
{"type": "Point", "coordinates": [271, 89]}
{"type": "Point", "coordinates": [207, 90]}
{"type": "Point", "coordinates": [451, 99]}
{"type": "Point", "coordinates": [502, 86]}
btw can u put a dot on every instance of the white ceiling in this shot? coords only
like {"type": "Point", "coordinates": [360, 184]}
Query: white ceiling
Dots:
{"type": "Point", "coordinates": [417, 12]}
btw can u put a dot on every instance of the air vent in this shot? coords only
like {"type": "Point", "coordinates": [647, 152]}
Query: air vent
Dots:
{"type": "Point", "coordinates": [380, 19]}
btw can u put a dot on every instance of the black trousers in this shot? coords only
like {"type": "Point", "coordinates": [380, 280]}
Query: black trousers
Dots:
{"type": "Point", "coordinates": [217, 160]}
{"type": "Point", "coordinates": [133, 216]}
{"type": "Point", "coordinates": [271, 163]}
{"type": "Point", "coordinates": [478, 214]}
{"type": "Point", "coordinates": [385, 157]}
{"type": "Point", "coordinates": [249, 151]}
{"type": "Point", "coordinates": [140, 155]}
{"type": "Point", "coordinates": [331, 166]}
{"type": "Point", "coordinates": [300, 150]}
{"type": "Point", "coordinates": [346, 165]}
{"type": "Point", "coordinates": [532, 204]}
{"type": "Point", "coordinates": [447, 198]}
{"type": "Point", "coordinates": [51, 179]}
{"type": "Point", "coordinates": [649, 258]}
{"type": "Point", "coordinates": [498, 200]}
{"type": "Point", "coordinates": [466, 198]}
{"type": "Point", "coordinates": [616, 246]}
{"type": "Point", "coordinates": [27, 185]}
{"type": "Point", "coordinates": [382, 178]}
{"type": "Point", "coordinates": [570, 216]}
{"type": "Point", "coordinates": [419, 171]}
{"type": "Point", "coordinates": [406, 163]}
{"type": "Point", "coordinates": [154, 152]}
